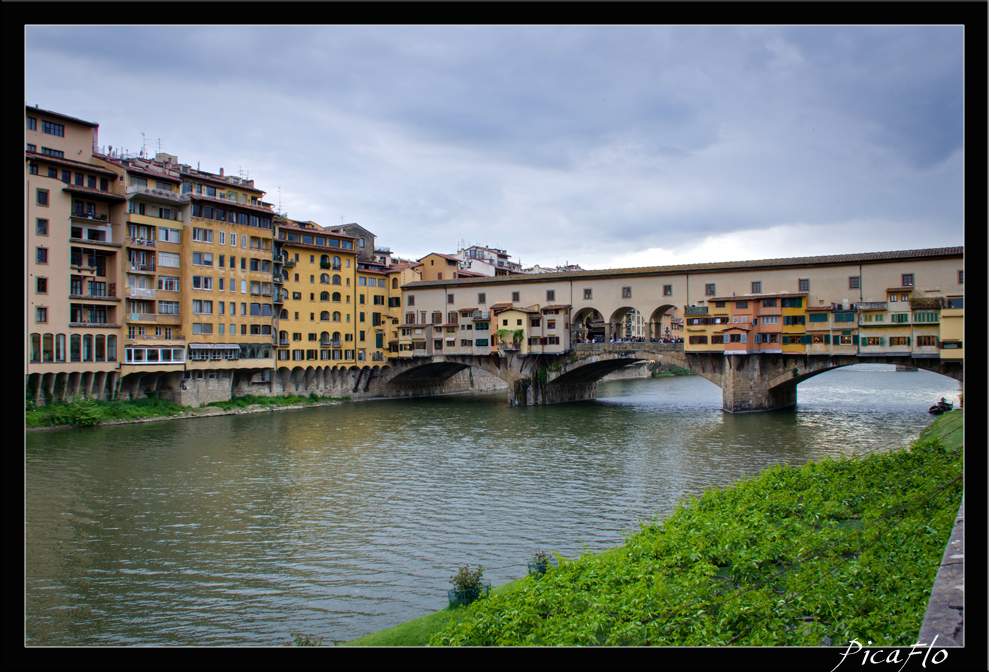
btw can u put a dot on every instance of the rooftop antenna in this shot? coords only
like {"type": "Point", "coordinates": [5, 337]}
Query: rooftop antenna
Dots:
{"type": "Point", "coordinates": [159, 145]}
{"type": "Point", "coordinates": [279, 200]}
{"type": "Point", "coordinates": [143, 144]}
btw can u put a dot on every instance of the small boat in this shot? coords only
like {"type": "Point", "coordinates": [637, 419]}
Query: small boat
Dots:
{"type": "Point", "coordinates": [940, 407]}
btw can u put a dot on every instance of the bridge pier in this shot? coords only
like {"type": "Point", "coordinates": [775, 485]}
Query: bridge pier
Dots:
{"type": "Point", "coordinates": [746, 384]}
{"type": "Point", "coordinates": [532, 392]}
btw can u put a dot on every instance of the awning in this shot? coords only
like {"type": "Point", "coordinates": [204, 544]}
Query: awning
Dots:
{"type": "Point", "coordinates": [213, 346]}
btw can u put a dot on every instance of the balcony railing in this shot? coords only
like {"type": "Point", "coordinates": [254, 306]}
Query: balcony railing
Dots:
{"type": "Point", "coordinates": [142, 317]}
{"type": "Point", "coordinates": [289, 263]}
{"type": "Point", "coordinates": [278, 280]}
{"type": "Point", "coordinates": [695, 310]}
{"type": "Point", "coordinates": [283, 343]}
{"type": "Point", "coordinates": [170, 195]}
{"type": "Point", "coordinates": [142, 268]}
{"type": "Point", "coordinates": [330, 344]}
{"type": "Point", "coordinates": [138, 292]}
{"type": "Point", "coordinates": [91, 216]}
{"type": "Point", "coordinates": [873, 305]}
{"type": "Point", "coordinates": [377, 356]}
{"type": "Point", "coordinates": [141, 242]}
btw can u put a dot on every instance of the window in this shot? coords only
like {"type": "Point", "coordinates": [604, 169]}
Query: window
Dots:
{"type": "Point", "coordinates": [202, 282]}
{"type": "Point", "coordinates": [43, 197]}
{"type": "Point", "coordinates": [481, 298]}
{"type": "Point", "coordinates": [53, 173]}
{"type": "Point", "coordinates": [205, 307]}
{"type": "Point", "coordinates": [709, 289]}
{"type": "Point", "coordinates": [551, 295]}
{"type": "Point", "coordinates": [202, 258]}
{"type": "Point", "coordinates": [168, 284]}
{"type": "Point", "coordinates": [899, 318]}
{"type": "Point", "coordinates": [91, 181]}
{"type": "Point", "coordinates": [32, 167]}
{"type": "Point", "coordinates": [41, 227]}
{"type": "Point", "coordinates": [515, 297]}
{"type": "Point", "coordinates": [853, 282]}
{"type": "Point", "coordinates": [41, 285]}
{"type": "Point", "coordinates": [961, 277]}
{"type": "Point", "coordinates": [42, 255]}
{"type": "Point", "coordinates": [202, 235]}
{"type": "Point", "coordinates": [626, 292]}
{"type": "Point", "coordinates": [32, 124]}
{"type": "Point", "coordinates": [169, 235]}
{"type": "Point", "coordinates": [41, 314]}
{"type": "Point", "coordinates": [57, 153]}
{"type": "Point", "coordinates": [927, 340]}
{"type": "Point", "coordinates": [744, 305]}
{"type": "Point", "coordinates": [667, 290]}
{"type": "Point", "coordinates": [814, 317]}
{"type": "Point", "coordinates": [168, 308]}
{"type": "Point", "coordinates": [907, 280]}
{"type": "Point", "coordinates": [52, 128]}
{"type": "Point", "coordinates": [757, 288]}
{"type": "Point", "coordinates": [956, 302]}
{"type": "Point", "coordinates": [803, 285]}
{"type": "Point", "coordinates": [899, 340]}
{"type": "Point", "coordinates": [775, 319]}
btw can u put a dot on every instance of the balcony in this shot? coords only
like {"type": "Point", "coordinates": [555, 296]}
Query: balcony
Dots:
{"type": "Point", "coordinates": [873, 305]}
{"type": "Point", "coordinates": [330, 344]}
{"type": "Point", "coordinates": [139, 293]}
{"type": "Point", "coordinates": [377, 356]}
{"type": "Point", "coordinates": [695, 310]}
{"type": "Point", "coordinates": [95, 325]}
{"type": "Point", "coordinates": [91, 216]}
{"type": "Point", "coordinates": [86, 242]}
{"type": "Point", "coordinates": [169, 196]}
{"type": "Point", "coordinates": [139, 242]}
{"type": "Point", "coordinates": [289, 263]}
{"type": "Point", "coordinates": [283, 343]}
{"type": "Point", "coordinates": [278, 280]}
{"type": "Point", "coordinates": [142, 317]}
{"type": "Point", "coordinates": [93, 297]}
{"type": "Point", "coordinates": [142, 268]}
{"type": "Point", "coordinates": [278, 299]}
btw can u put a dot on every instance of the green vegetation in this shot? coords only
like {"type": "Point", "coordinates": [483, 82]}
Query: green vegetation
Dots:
{"type": "Point", "coordinates": [89, 412]}
{"type": "Point", "coordinates": [272, 402]}
{"type": "Point", "coordinates": [674, 370]}
{"type": "Point", "coordinates": [835, 550]}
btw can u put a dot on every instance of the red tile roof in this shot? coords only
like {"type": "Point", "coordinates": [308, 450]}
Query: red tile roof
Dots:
{"type": "Point", "coordinates": [105, 195]}
{"type": "Point", "coordinates": [59, 115]}
{"type": "Point", "coordinates": [710, 267]}
{"type": "Point", "coordinates": [69, 163]}
{"type": "Point", "coordinates": [755, 297]}
{"type": "Point", "coordinates": [223, 201]}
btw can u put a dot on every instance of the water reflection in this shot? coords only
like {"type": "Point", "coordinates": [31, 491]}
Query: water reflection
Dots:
{"type": "Point", "coordinates": [344, 520]}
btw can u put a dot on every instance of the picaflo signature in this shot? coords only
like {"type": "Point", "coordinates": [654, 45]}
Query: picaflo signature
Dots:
{"type": "Point", "coordinates": [894, 655]}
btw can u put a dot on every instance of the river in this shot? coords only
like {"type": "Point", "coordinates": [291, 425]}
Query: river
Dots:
{"type": "Point", "coordinates": [342, 520]}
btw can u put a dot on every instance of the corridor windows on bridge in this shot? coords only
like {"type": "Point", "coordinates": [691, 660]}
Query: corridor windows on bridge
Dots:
{"type": "Point", "coordinates": [410, 300]}
{"type": "Point", "coordinates": [961, 274]}
{"type": "Point", "coordinates": [757, 288]}
{"type": "Point", "coordinates": [907, 280]}
{"type": "Point", "coordinates": [667, 290]}
{"type": "Point", "coordinates": [853, 282]}
{"type": "Point", "coordinates": [515, 297]}
{"type": "Point", "coordinates": [449, 300]}
{"type": "Point", "coordinates": [482, 298]}
{"type": "Point", "coordinates": [551, 295]}
{"type": "Point", "coordinates": [709, 289]}
{"type": "Point", "coordinates": [588, 294]}
{"type": "Point", "coordinates": [626, 292]}
{"type": "Point", "coordinates": [803, 284]}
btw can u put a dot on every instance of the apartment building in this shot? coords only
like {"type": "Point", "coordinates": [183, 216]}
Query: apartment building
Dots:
{"type": "Point", "coordinates": [317, 316]}
{"type": "Point", "coordinates": [487, 261]}
{"type": "Point", "coordinates": [74, 255]}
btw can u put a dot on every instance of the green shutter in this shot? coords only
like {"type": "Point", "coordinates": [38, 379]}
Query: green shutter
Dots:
{"type": "Point", "coordinates": [855, 340]}
{"type": "Point", "coordinates": [805, 339]}
{"type": "Point", "coordinates": [908, 340]}
{"type": "Point", "coordinates": [827, 339]}
{"type": "Point", "coordinates": [882, 340]}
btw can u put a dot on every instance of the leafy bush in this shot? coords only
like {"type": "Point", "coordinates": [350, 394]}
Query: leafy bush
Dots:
{"type": "Point", "coordinates": [468, 580]}
{"type": "Point", "coordinates": [835, 550]}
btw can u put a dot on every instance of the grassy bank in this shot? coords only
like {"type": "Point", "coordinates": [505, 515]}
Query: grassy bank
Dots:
{"type": "Point", "coordinates": [835, 550]}
{"type": "Point", "coordinates": [89, 412]}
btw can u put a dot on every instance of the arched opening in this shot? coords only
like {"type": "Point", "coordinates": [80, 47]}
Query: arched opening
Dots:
{"type": "Point", "coordinates": [336, 279]}
{"type": "Point", "coordinates": [336, 297]}
{"type": "Point", "coordinates": [324, 296]}
{"type": "Point", "coordinates": [324, 278]}
{"type": "Point", "coordinates": [665, 323]}
{"type": "Point", "coordinates": [587, 326]}
{"type": "Point", "coordinates": [324, 316]}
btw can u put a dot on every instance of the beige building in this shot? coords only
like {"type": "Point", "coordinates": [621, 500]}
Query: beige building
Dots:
{"type": "Point", "coordinates": [74, 254]}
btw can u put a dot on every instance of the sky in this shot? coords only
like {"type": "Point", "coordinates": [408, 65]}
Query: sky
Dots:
{"type": "Point", "coordinates": [603, 146]}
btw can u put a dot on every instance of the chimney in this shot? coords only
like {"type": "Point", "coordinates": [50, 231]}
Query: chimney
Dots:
{"type": "Point", "coordinates": [221, 172]}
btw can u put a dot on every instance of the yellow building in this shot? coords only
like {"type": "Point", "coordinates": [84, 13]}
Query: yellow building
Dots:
{"type": "Point", "coordinates": [952, 332]}
{"type": "Point", "coordinates": [794, 323]}
{"type": "Point", "coordinates": [317, 317]}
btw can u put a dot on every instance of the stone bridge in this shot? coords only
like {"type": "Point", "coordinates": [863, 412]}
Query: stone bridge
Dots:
{"type": "Point", "coordinates": [749, 382]}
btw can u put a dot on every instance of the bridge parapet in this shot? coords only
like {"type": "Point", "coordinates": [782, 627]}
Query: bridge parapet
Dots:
{"type": "Point", "coordinates": [628, 347]}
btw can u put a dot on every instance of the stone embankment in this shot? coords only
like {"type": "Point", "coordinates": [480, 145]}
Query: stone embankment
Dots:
{"type": "Point", "coordinates": [944, 618]}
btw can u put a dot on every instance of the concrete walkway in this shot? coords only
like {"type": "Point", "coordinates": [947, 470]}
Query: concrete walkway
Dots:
{"type": "Point", "coordinates": [945, 610]}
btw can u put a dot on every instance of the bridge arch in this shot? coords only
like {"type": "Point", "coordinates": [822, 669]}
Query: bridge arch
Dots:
{"type": "Point", "coordinates": [656, 328]}
{"type": "Point", "coordinates": [587, 323]}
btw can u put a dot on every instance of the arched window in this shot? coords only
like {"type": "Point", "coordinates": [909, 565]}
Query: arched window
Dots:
{"type": "Point", "coordinates": [336, 296]}
{"type": "Point", "coordinates": [336, 316]}
{"type": "Point", "coordinates": [324, 259]}
{"type": "Point", "coordinates": [336, 279]}
{"type": "Point", "coordinates": [336, 263]}
{"type": "Point", "coordinates": [394, 283]}
{"type": "Point", "coordinates": [47, 348]}
{"type": "Point", "coordinates": [100, 348]}
{"type": "Point", "coordinates": [283, 315]}
{"type": "Point", "coordinates": [285, 275]}
{"type": "Point", "coordinates": [59, 347]}
{"type": "Point", "coordinates": [283, 336]}
{"type": "Point", "coordinates": [336, 338]}
{"type": "Point", "coordinates": [74, 350]}
{"type": "Point", "coordinates": [35, 347]}
{"type": "Point", "coordinates": [324, 316]}
{"type": "Point", "coordinates": [324, 337]}
{"type": "Point", "coordinates": [325, 278]}
{"type": "Point", "coordinates": [324, 296]}
{"type": "Point", "coordinates": [87, 348]}
{"type": "Point", "coordinates": [111, 348]}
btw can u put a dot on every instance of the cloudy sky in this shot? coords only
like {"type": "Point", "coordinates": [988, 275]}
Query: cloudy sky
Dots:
{"type": "Point", "coordinates": [603, 146]}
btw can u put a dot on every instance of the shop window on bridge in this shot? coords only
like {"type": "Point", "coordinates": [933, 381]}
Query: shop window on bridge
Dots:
{"type": "Point", "coordinates": [700, 340]}
{"type": "Point", "coordinates": [844, 317]}
{"type": "Point", "coordinates": [817, 317]}
{"type": "Point", "coordinates": [927, 341]}
{"type": "Point", "coordinates": [720, 338]}
{"type": "Point", "coordinates": [481, 342]}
